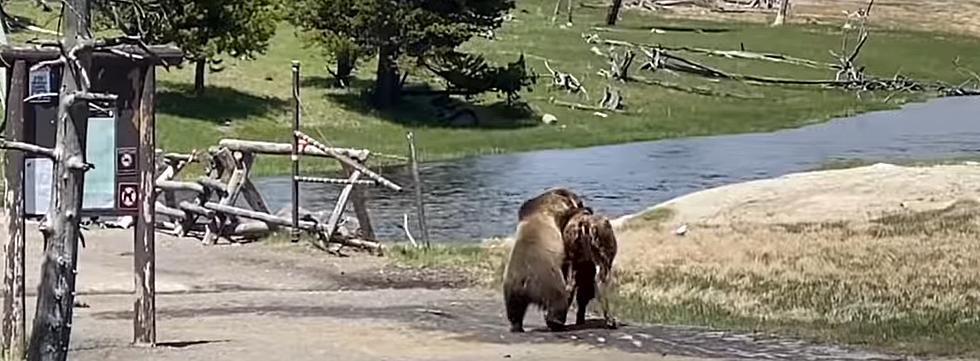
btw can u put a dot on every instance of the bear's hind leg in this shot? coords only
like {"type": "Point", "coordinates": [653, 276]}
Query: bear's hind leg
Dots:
{"type": "Point", "coordinates": [557, 312]}
{"type": "Point", "coordinates": [516, 308]}
{"type": "Point", "coordinates": [585, 292]}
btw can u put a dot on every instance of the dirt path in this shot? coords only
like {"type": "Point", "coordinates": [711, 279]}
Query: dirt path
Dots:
{"type": "Point", "coordinates": [262, 302]}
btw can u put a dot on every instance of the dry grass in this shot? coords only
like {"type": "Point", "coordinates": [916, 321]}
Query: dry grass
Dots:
{"type": "Point", "coordinates": [949, 16]}
{"type": "Point", "coordinates": [905, 281]}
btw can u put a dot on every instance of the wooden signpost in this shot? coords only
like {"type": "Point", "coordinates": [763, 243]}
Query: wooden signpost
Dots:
{"type": "Point", "coordinates": [116, 136]}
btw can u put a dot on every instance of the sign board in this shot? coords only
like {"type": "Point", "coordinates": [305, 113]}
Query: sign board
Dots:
{"type": "Point", "coordinates": [111, 139]}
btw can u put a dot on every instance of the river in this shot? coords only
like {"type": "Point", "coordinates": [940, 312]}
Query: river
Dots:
{"type": "Point", "coordinates": [475, 198]}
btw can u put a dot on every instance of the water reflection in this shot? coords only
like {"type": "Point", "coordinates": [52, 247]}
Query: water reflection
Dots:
{"type": "Point", "coordinates": [477, 197]}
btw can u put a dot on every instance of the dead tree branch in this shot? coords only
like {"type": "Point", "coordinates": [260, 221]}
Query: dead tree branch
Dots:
{"type": "Point", "coordinates": [731, 54]}
{"type": "Point", "coordinates": [692, 90]}
{"type": "Point", "coordinates": [565, 81]}
{"type": "Point", "coordinates": [28, 148]}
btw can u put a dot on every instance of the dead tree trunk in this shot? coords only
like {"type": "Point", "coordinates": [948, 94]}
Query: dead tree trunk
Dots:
{"type": "Point", "coordinates": [56, 293]}
{"type": "Point", "coordinates": [14, 305]}
{"type": "Point", "coordinates": [199, 70]}
{"type": "Point", "coordinates": [781, 15]}
{"type": "Point", "coordinates": [613, 15]}
{"type": "Point", "coordinates": [144, 254]}
{"type": "Point", "coordinates": [387, 86]}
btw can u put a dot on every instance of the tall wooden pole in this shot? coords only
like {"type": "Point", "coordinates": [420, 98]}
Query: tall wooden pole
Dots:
{"type": "Point", "coordinates": [781, 15]}
{"type": "Point", "coordinates": [613, 15]}
{"type": "Point", "coordinates": [144, 247]}
{"type": "Point", "coordinates": [419, 204]}
{"type": "Point", "coordinates": [359, 200]}
{"type": "Point", "coordinates": [3, 70]}
{"type": "Point", "coordinates": [56, 293]}
{"type": "Point", "coordinates": [14, 306]}
{"type": "Point", "coordinates": [294, 183]}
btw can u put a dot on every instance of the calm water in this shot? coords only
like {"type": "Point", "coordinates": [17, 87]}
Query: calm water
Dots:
{"type": "Point", "coordinates": [476, 198]}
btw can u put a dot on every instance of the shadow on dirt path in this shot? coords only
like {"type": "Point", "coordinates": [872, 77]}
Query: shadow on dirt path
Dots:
{"type": "Point", "coordinates": [480, 321]}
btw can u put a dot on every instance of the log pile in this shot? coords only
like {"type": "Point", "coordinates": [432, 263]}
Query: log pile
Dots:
{"type": "Point", "coordinates": [213, 212]}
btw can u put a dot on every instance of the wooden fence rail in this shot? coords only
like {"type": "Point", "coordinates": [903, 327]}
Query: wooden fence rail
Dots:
{"type": "Point", "coordinates": [212, 213]}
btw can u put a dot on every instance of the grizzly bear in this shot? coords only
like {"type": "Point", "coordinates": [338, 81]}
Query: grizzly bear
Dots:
{"type": "Point", "coordinates": [533, 274]}
{"type": "Point", "coordinates": [590, 248]}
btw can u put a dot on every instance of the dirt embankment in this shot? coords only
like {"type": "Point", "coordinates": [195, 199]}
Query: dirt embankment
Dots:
{"type": "Point", "coordinates": [855, 194]}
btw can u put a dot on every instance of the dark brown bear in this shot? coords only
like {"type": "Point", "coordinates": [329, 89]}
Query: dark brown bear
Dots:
{"type": "Point", "coordinates": [590, 248]}
{"type": "Point", "coordinates": [533, 274]}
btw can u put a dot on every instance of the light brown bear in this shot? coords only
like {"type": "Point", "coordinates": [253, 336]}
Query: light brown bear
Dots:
{"type": "Point", "coordinates": [533, 274]}
{"type": "Point", "coordinates": [590, 248]}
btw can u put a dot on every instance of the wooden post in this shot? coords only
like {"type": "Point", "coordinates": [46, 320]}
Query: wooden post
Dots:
{"type": "Point", "coordinates": [259, 147]}
{"type": "Point", "coordinates": [781, 15]}
{"type": "Point", "coordinates": [419, 205]}
{"type": "Point", "coordinates": [359, 200]}
{"type": "Point", "coordinates": [14, 306]}
{"type": "Point", "coordinates": [338, 209]}
{"type": "Point", "coordinates": [570, 5]}
{"type": "Point", "coordinates": [613, 15]}
{"type": "Point", "coordinates": [51, 332]}
{"type": "Point", "coordinates": [253, 197]}
{"type": "Point", "coordinates": [295, 155]}
{"type": "Point", "coordinates": [235, 182]}
{"type": "Point", "coordinates": [144, 255]}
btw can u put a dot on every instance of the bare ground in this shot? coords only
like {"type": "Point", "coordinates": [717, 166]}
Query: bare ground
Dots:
{"type": "Point", "coordinates": [284, 302]}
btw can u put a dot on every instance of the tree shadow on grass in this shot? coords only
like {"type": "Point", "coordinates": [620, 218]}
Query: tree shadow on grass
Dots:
{"type": "Point", "coordinates": [218, 104]}
{"type": "Point", "coordinates": [327, 82]}
{"type": "Point", "coordinates": [677, 29]}
{"type": "Point", "coordinates": [442, 111]}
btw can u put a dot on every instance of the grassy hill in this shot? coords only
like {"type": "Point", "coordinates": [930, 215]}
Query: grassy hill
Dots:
{"type": "Point", "coordinates": [252, 99]}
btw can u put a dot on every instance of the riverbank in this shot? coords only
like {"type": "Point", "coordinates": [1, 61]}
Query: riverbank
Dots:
{"type": "Point", "coordinates": [252, 99]}
{"type": "Point", "coordinates": [881, 256]}
{"type": "Point", "coordinates": [242, 302]}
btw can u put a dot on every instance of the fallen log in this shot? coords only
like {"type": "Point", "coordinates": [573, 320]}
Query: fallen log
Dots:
{"type": "Point", "coordinates": [281, 221]}
{"type": "Point", "coordinates": [742, 54]}
{"type": "Point", "coordinates": [169, 185]}
{"type": "Point", "coordinates": [334, 180]}
{"type": "Point", "coordinates": [264, 217]}
{"type": "Point", "coordinates": [580, 106]}
{"type": "Point", "coordinates": [240, 169]}
{"type": "Point", "coordinates": [169, 212]}
{"type": "Point", "coordinates": [739, 54]}
{"type": "Point", "coordinates": [180, 157]}
{"type": "Point", "coordinates": [350, 162]}
{"type": "Point", "coordinates": [692, 90]}
{"type": "Point", "coordinates": [287, 149]}
{"type": "Point", "coordinates": [254, 229]}
{"type": "Point", "coordinates": [196, 209]}
{"type": "Point", "coordinates": [214, 184]}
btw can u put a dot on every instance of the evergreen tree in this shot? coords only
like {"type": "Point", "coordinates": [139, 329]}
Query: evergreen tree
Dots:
{"type": "Point", "coordinates": [400, 28]}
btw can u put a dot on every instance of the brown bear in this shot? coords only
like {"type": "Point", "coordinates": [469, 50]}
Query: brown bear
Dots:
{"type": "Point", "coordinates": [533, 274]}
{"type": "Point", "coordinates": [590, 248]}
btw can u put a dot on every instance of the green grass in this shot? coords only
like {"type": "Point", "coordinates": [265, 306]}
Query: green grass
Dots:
{"type": "Point", "coordinates": [483, 264]}
{"type": "Point", "coordinates": [254, 97]}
